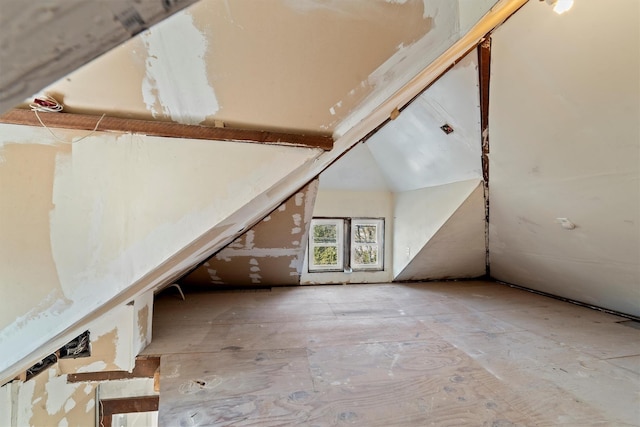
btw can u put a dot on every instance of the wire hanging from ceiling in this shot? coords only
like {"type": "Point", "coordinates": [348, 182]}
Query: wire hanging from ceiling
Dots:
{"type": "Point", "coordinates": [48, 104]}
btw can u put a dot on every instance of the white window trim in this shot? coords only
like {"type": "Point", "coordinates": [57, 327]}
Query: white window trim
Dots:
{"type": "Point", "coordinates": [339, 266]}
{"type": "Point", "coordinates": [379, 224]}
{"type": "Point", "coordinates": [346, 243]}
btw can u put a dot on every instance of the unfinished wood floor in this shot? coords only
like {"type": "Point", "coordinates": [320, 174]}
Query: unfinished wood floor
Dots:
{"type": "Point", "coordinates": [433, 354]}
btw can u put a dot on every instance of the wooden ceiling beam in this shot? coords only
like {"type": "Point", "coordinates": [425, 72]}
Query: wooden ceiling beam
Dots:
{"type": "Point", "coordinates": [166, 129]}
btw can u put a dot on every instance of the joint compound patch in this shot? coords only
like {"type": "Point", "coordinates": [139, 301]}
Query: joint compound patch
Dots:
{"type": "Point", "coordinates": [189, 99]}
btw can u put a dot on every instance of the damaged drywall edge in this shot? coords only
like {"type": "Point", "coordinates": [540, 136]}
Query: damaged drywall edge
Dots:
{"type": "Point", "coordinates": [189, 99]}
{"type": "Point", "coordinates": [48, 399]}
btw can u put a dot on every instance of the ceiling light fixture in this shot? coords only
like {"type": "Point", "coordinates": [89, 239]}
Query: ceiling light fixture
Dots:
{"type": "Point", "coordinates": [560, 6]}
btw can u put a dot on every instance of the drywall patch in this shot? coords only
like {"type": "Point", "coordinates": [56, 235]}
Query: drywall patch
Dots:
{"type": "Point", "coordinates": [25, 401]}
{"type": "Point", "coordinates": [269, 253]}
{"type": "Point", "coordinates": [143, 319]}
{"type": "Point", "coordinates": [27, 176]}
{"type": "Point", "coordinates": [48, 399]}
{"type": "Point", "coordinates": [177, 48]}
{"type": "Point", "coordinates": [58, 393]}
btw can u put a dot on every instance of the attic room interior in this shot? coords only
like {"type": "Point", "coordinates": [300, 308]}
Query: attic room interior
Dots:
{"type": "Point", "coordinates": [320, 213]}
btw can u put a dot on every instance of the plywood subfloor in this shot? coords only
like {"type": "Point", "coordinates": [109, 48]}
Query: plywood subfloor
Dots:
{"type": "Point", "coordinates": [441, 354]}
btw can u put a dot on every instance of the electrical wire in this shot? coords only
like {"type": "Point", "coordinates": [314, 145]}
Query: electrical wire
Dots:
{"type": "Point", "coordinates": [49, 104]}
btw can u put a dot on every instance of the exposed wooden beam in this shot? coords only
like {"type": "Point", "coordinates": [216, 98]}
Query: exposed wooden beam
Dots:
{"type": "Point", "coordinates": [42, 41]}
{"type": "Point", "coordinates": [108, 407]}
{"type": "Point", "coordinates": [166, 129]}
{"type": "Point", "coordinates": [484, 77]}
{"type": "Point", "coordinates": [144, 368]}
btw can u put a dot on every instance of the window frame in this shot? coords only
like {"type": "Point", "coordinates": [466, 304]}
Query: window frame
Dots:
{"type": "Point", "coordinates": [379, 224]}
{"type": "Point", "coordinates": [346, 245]}
{"type": "Point", "coordinates": [340, 245]}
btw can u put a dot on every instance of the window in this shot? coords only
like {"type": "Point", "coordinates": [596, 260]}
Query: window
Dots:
{"type": "Point", "coordinates": [362, 239]}
{"type": "Point", "coordinates": [366, 244]}
{"type": "Point", "coordinates": [326, 245]}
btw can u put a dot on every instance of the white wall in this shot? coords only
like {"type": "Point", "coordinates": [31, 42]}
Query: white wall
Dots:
{"type": "Point", "coordinates": [565, 142]}
{"type": "Point", "coordinates": [356, 204]}
{"type": "Point", "coordinates": [457, 250]}
{"type": "Point", "coordinates": [80, 223]}
{"type": "Point", "coordinates": [6, 404]}
{"type": "Point", "coordinates": [419, 214]}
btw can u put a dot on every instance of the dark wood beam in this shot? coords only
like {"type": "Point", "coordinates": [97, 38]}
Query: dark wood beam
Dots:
{"type": "Point", "coordinates": [108, 407]}
{"type": "Point", "coordinates": [484, 77]}
{"type": "Point", "coordinates": [167, 129]}
{"type": "Point", "coordinates": [484, 70]}
{"type": "Point", "coordinates": [144, 368]}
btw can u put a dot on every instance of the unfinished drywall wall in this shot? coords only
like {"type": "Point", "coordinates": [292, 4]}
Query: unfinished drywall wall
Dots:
{"type": "Point", "coordinates": [101, 214]}
{"type": "Point", "coordinates": [32, 59]}
{"type": "Point", "coordinates": [6, 404]}
{"type": "Point", "coordinates": [565, 144]}
{"type": "Point", "coordinates": [48, 400]}
{"type": "Point", "coordinates": [271, 253]}
{"type": "Point", "coordinates": [457, 250]}
{"type": "Point", "coordinates": [354, 204]}
{"type": "Point", "coordinates": [295, 65]}
{"type": "Point", "coordinates": [413, 152]}
{"type": "Point", "coordinates": [116, 338]}
{"type": "Point", "coordinates": [419, 214]}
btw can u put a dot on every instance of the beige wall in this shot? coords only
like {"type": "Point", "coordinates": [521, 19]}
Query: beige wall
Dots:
{"type": "Point", "coordinates": [288, 64]}
{"type": "Point", "coordinates": [356, 204]}
{"type": "Point", "coordinates": [565, 142]}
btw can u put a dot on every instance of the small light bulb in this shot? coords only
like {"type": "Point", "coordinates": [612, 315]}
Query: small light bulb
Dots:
{"type": "Point", "coordinates": [562, 6]}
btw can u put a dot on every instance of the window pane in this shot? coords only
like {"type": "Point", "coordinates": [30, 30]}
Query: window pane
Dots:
{"type": "Point", "coordinates": [365, 233]}
{"type": "Point", "coordinates": [365, 254]}
{"type": "Point", "coordinates": [325, 233]}
{"type": "Point", "coordinates": [325, 255]}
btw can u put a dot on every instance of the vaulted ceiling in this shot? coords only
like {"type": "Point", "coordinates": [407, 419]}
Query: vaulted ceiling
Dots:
{"type": "Point", "coordinates": [296, 65]}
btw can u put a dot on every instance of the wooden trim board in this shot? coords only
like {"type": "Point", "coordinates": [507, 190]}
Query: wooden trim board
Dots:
{"type": "Point", "coordinates": [126, 405]}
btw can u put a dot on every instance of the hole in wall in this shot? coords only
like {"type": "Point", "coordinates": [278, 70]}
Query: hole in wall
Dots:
{"type": "Point", "coordinates": [77, 347]}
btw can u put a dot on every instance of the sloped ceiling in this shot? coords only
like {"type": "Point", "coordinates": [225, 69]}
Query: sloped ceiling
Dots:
{"type": "Point", "coordinates": [413, 152]}
{"type": "Point", "coordinates": [42, 41]}
{"type": "Point", "coordinates": [299, 65]}
{"type": "Point", "coordinates": [357, 170]}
